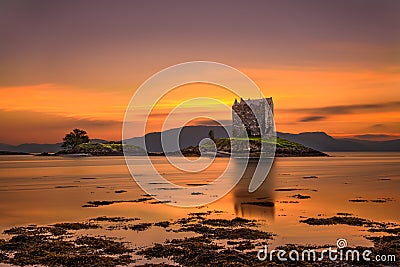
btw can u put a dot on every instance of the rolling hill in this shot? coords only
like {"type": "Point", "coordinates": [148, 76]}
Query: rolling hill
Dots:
{"type": "Point", "coordinates": [192, 135]}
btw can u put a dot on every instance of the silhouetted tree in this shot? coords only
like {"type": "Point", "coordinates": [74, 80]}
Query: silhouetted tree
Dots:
{"type": "Point", "coordinates": [75, 138]}
{"type": "Point", "coordinates": [211, 135]}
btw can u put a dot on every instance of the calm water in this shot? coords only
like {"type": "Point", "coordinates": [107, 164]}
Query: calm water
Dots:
{"type": "Point", "coordinates": [45, 190]}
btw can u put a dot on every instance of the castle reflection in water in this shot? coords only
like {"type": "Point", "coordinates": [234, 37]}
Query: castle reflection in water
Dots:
{"type": "Point", "coordinates": [264, 195]}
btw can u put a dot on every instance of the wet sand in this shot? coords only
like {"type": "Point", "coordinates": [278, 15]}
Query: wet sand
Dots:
{"type": "Point", "coordinates": [45, 191]}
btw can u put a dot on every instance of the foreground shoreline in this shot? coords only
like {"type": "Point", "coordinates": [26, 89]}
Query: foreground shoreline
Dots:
{"type": "Point", "coordinates": [298, 207]}
{"type": "Point", "coordinates": [213, 241]}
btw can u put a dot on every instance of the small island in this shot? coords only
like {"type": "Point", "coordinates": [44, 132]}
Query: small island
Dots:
{"type": "Point", "coordinates": [253, 135]}
{"type": "Point", "coordinates": [284, 148]}
{"type": "Point", "coordinates": [252, 121]}
{"type": "Point", "coordinates": [78, 144]}
{"type": "Point", "coordinates": [102, 149]}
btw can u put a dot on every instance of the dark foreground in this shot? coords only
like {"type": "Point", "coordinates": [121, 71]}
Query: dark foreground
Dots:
{"type": "Point", "coordinates": [215, 242]}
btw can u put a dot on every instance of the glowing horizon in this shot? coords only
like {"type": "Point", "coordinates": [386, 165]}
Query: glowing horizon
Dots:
{"type": "Point", "coordinates": [101, 113]}
{"type": "Point", "coordinates": [330, 67]}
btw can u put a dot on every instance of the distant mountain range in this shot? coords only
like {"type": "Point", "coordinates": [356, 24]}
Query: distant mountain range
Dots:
{"type": "Point", "coordinates": [38, 148]}
{"type": "Point", "coordinates": [188, 136]}
{"type": "Point", "coordinates": [192, 135]}
{"type": "Point", "coordinates": [323, 142]}
{"type": "Point", "coordinates": [31, 148]}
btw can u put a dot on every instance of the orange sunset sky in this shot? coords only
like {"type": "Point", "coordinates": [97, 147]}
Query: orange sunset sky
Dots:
{"type": "Point", "coordinates": [331, 66]}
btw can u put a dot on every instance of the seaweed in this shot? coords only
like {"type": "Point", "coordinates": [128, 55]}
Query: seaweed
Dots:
{"type": "Point", "coordinates": [260, 203]}
{"type": "Point", "coordinates": [54, 245]}
{"type": "Point", "coordinates": [160, 202]}
{"type": "Point", "coordinates": [102, 244]}
{"type": "Point", "coordinates": [299, 196]}
{"type": "Point", "coordinates": [35, 245]}
{"type": "Point", "coordinates": [163, 224]}
{"type": "Point", "coordinates": [35, 230]}
{"type": "Point", "coordinates": [76, 226]}
{"type": "Point", "coordinates": [343, 214]}
{"type": "Point", "coordinates": [113, 219]}
{"type": "Point", "coordinates": [229, 223]}
{"type": "Point", "coordinates": [140, 227]}
{"type": "Point", "coordinates": [348, 220]}
{"type": "Point", "coordinates": [96, 203]}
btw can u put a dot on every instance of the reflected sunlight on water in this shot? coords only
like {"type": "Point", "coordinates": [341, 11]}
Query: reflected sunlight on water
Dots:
{"type": "Point", "coordinates": [44, 190]}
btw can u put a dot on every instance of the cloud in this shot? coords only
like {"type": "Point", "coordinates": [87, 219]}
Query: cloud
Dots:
{"type": "Point", "coordinates": [30, 126]}
{"type": "Point", "coordinates": [313, 118]}
{"type": "Point", "coordinates": [64, 100]}
{"type": "Point", "coordinates": [377, 137]}
{"type": "Point", "coordinates": [389, 127]}
{"type": "Point", "coordinates": [350, 109]}
{"type": "Point", "coordinates": [378, 126]}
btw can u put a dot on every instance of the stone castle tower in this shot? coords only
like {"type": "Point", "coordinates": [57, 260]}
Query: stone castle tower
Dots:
{"type": "Point", "coordinates": [245, 121]}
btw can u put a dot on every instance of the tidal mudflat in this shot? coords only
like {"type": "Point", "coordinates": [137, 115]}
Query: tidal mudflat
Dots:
{"type": "Point", "coordinates": [48, 207]}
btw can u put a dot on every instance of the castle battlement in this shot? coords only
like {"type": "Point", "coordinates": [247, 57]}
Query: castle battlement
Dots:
{"type": "Point", "coordinates": [245, 114]}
